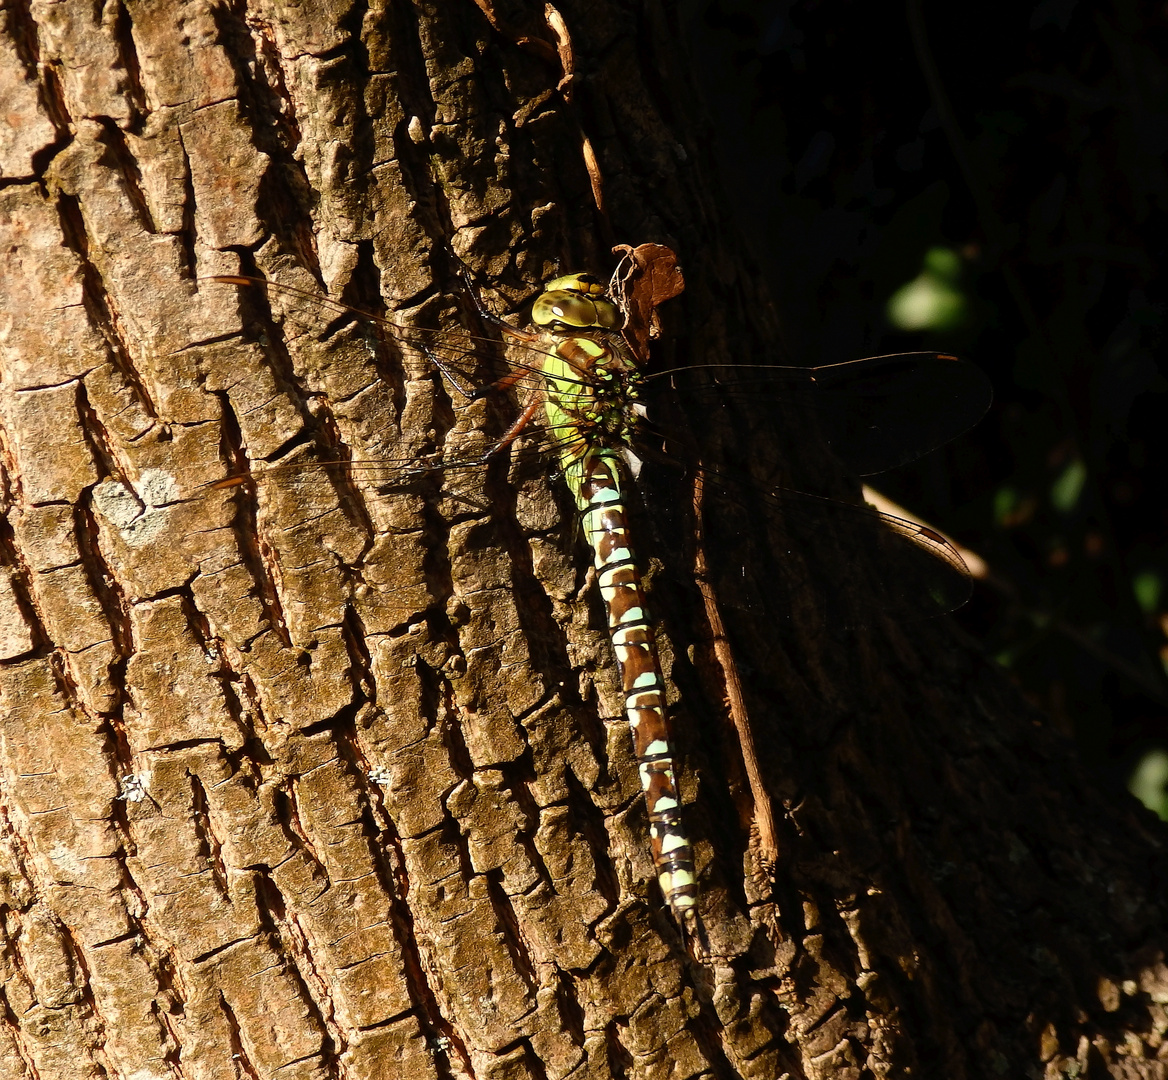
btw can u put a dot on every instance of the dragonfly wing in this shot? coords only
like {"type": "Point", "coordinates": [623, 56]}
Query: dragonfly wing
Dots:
{"type": "Point", "coordinates": [886, 411]}
{"type": "Point", "coordinates": [875, 413]}
{"type": "Point", "coordinates": [302, 314]}
{"type": "Point", "coordinates": [781, 553]}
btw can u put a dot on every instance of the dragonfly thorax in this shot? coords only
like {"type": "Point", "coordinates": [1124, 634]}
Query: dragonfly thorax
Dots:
{"type": "Point", "coordinates": [590, 389]}
{"type": "Point", "coordinates": [590, 375]}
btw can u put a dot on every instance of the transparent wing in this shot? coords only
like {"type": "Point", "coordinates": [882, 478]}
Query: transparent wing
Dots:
{"type": "Point", "coordinates": [458, 354]}
{"type": "Point", "coordinates": [779, 552]}
{"type": "Point", "coordinates": [875, 413]}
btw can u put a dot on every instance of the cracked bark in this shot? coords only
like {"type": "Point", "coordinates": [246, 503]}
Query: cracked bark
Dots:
{"type": "Point", "coordinates": [308, 779]}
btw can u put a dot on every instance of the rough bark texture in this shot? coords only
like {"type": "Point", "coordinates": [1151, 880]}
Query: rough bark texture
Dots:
{"type": "Point", "coordinates": [309, 780]}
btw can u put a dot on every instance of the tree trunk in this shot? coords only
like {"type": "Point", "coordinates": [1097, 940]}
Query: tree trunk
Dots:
{"type": "Point", "coordinates": [308, 778]}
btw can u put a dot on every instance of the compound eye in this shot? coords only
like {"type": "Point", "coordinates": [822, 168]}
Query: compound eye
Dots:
{"type": "Point", "coordinates": [559, 306]}
{"type": "Point", "coordinates": [564, 302]}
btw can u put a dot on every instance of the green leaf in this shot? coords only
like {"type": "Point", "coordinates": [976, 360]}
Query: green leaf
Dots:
{"type": "Point", "coordinates": [933, 300]}
{"type": "Point", "coordinates": [1006, 500]}
{"type": "Point", "coordinates": [1149, 781]}
{"type": "Point", "coordinates": [1148, 586]}
{"type": "Point", "coordinates": [944, 264]}
{"type": "Point", "coordinates": [1065, 491]}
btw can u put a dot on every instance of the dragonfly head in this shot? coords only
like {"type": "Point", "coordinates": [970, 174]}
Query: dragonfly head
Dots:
{"type": "Point", "coordinates": [578, 302]}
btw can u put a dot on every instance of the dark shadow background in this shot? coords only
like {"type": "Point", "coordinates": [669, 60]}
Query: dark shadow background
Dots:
{"type": "Point", "coordinates": [1006, 163]}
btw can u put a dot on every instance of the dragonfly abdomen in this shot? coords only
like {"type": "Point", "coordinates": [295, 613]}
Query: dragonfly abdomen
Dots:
{"type": "Point", "coordinates": [598, 493]}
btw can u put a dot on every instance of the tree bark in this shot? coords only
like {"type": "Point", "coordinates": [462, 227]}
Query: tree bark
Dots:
{"type": "Point", "coordinates": [307, 778]}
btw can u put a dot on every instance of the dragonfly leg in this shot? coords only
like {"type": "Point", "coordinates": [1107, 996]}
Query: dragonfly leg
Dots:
{"type": "Point", "coordinates": [506, 382]}
{"type": "Point", "coordinates": [515, 430]}
{"type": "Point", "coordinates": [487, 315]}
{"type": "Point", "coordinates": [479, 392]}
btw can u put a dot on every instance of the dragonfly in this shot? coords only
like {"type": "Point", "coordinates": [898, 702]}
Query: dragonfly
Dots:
{"type": "Point", "coordinates": [584, 366]}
